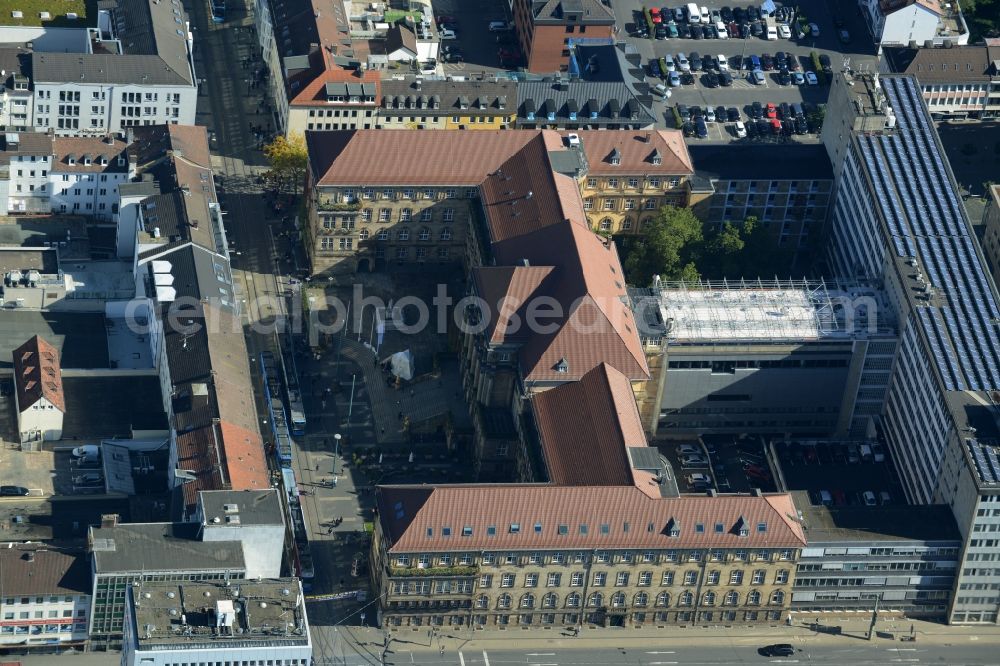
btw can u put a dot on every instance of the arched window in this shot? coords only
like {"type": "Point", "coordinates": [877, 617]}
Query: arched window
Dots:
{"type": "Point", "coordinates": [596, 600]}
{"type": "Point", "coordinates": [708, 599]}
{"type": "Point", "coordinates": [686, 599]}
{"type": "Point", "coordinates": [482, 601]}
{"type": "Point", "coordinates": [663, 599]}
{"type": "Point", "coordinates": [732, 598]}
{"type": "Point", "coordinates": [627, 224]}
{"type": "Point", "coordinates": [618, 600]}
{"type": "Point", "coordinates": [549, 600]}
{"type": "Point", "coordinates": [753, 598]}
{"type": "Point", "coordinates": [641, 599]}
{"type": "Point", "coordinates": [503, 601]}
{"type": "Point", "coordinates": [363, 234]}
{"type": "Point", "coordinates": [528, 600]}
{"type": "Point", "coordinates": [777, 597]}
{"type": "Point", "coordinates": [606, 224]}
{"type": "Point", "coordinates": [573, 600]}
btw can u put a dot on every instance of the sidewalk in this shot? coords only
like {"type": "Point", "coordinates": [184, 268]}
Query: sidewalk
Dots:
{"type": "Point", "coordinates": [888, 631]}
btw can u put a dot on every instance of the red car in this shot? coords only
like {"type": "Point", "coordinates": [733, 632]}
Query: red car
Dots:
{"type": "Point", "coordinates": [770, 111]}
{"type": "Point", "coordinates": [775, 125]}
{"type": "Point", "coordinates": [654, 13]}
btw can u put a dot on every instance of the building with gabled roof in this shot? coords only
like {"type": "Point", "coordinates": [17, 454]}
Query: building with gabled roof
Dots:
{"type": "Point", "coordinates": [908, 22]}
{"type": "Point", "coordinates": [956, 82]}
{"type": "Point", "coordinates": [38, 391]}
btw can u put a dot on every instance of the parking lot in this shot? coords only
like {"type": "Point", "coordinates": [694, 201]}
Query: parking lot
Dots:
{"type": "Point", "coordinates": [858, 54]}
{"type": "Point", "coordinates": [479, 47]}
{"type": "Point", "coordinates": [837, 473]}
{"type": "Point", "coordinates": [723, 462]}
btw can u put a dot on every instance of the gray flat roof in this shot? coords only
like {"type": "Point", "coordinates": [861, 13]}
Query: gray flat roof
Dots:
{"type": "Point", "coordinates": [80, 337]}
{"type": "Point", "coordinates": [761, 162]}
{"type": "Point", "coordinates": [162, 547]}
{"type": "Point", "coordinates": [104, 68]}
{"type": "Point", "coordinates": [254, 507]}
{"type": "Point", "coordinates": [63, 519]}
{"type": "Point", "coordinates": [875, 523]}
{"type": "Point", "coordinates": [99, 407]}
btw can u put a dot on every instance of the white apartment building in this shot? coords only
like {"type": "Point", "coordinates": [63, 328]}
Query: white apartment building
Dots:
{"type": "Point", "coordinates": [45, 598]}
{"type": "Point", "coordinates": [898, 217]}
{"type": "Point", "coordinates": [901, 22]}
{"type": "Point", "coordinates": [137, 70]}
{"type": "Point", "coordinates": [16, 101]}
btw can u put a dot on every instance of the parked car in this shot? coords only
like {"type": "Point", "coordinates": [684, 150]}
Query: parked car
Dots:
{"type": "Point", "coordinates": [801, 126]}
{"type": "Point", "coordinates": [690, 449]}
{"type": "Point", "coordinates": [500, 26]}
{"type": "Point", "coordinates": [756, 111]}
{"type": "Point", "coordinates": [825, 63]}
{"type": "Point", "coordinates": [757, 77]}
{"type": "Point", "coordinates": [722, 62]}
{"type": "Point", "coordinates": [695, 61]}
{"type": "Point", "coordinates": [811, 78]}
{"type": "Point", "coordinates": [683, 62]}
{"type": "Point", "coordinates": [740, 130]}
{"type": "Point", "coordinates": [784, 78]}
{"type": "Point", "coordinates": [772, 33]}
{"type": "Point", "coordinates": [733, 114]}
{"type": "Point", "coordinates": [710, 80]}
{"type": "Point", "coordinates": [446, 33]}
{"type": "Point", "coordinates": [885, 498]}
{"type": "Point", "coordinates": [798, 79]}
{"type": "Point", "coordinates": [699, 478]}
{"type": "Point", "coordinates": [784, 32]}
{"type": "Point", "coordinates": [844, 36]}
{"type": "Point", "coordinates": [445, 18]}
{"type": "Point", "coordinates": [692, 460]}
{"type": "Point", "coordinates": [814, 30]}
{"type": "Point", "coordinates": [869, 498]}
{"type": "Point", "coordinates": [674, 79]}
{"type": "Point", "coordinates": [767, 62]}
{"type": "Point", "coordinates": [683, 111]}
{"type": "Point", "coordinates": [13, 491]}
{"type": "Point", "coordinates": [709, 114]}
{"type": "Point", "coordinates": [660, 91]}
{"type": "Point", "coordinates": [725, 78]}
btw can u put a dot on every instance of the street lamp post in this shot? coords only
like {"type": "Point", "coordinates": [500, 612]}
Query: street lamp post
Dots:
{"type": "Point", "coordinates": [336, 454]}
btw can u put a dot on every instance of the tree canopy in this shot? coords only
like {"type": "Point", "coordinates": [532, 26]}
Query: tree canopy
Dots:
{"type": "Point", "coordinates": [289, 159]}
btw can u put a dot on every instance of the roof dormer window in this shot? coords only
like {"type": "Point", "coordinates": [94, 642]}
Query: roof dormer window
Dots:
{"type": "Point", "coordinates": [70, 159]}
{"type": "Point", "coordinates": [615, 158]}
{"type": "Point", "coordinates": [562, 366]}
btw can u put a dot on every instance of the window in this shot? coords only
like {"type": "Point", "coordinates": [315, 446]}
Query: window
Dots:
{"type": "Point", "coordinates": [383, 234]}
{"type": "Point", "coordinates": [588, 204]}
{"type": "Point", "coordinates": [605, 224]}
{"type": "Point", "coordinates": [777, 598]}
{"type": "Point", "coordinates": [553, 580]}
{"type": "Point", "coordinates": [736, 577]}
{"type": "Point", "coordinates": [690, 577]}
{"type": "Point", "coordinates": [781, 576]}
{"type": "Point", "coordinates": [445, 235]}
{"type": "Point", "coordinates": [663, 599]}
{"type": "Point", "coordinates": [621, 580]}
{"type": "Point", "coordinates": [630, 204]}
{"type": "Point", "coordinates": [645, 578]}
{"type": "Point", "coordinates": [549, 600]}
{"type": "Point", "coordinates": [527, 601]}
{"type": "Point", "coordinates": [531, 580]}
{"type": "Point", "coordinates": [708, 599]}
{"type": "Point", "coordinates": [712, 578]}
{"type": "Point", "coordinates": [366, 215]}
{"type": "Point", "coordinates": [404, 234]}
{"type": "Point", "coordinates": [596, 600]}
{"type": "Point", "coordinates": [609, 204]}
{"type": "Point", "coordinates": [448, 215]}
{"type": "Point", "coordinates": [383, 215]}
{"type": "Point", "coordinates": [633, 182]}
{"type": "Point", "coordinates": [426, 215]}
{"type": "Point", "coordinates": [482, 601]}
{"type": "Point", "coordinates": [503, 601]}
{"type": "Point", "coordinates": [601, 556]}
{"type": "Point", "coordinates": [600, 579]}
{"type": "Point", "coordinates": [618, 600]}
{"type": "Point", "coordinates": [667, 578]}
{"type": "Point", "coordinates": [406, 215]}
{"type": "Point", "coordinates": [758, 577]}
{"type": "Point", "coordinates": [753, 598]}
{"type": "Point", "coordinates": [732, 598]}
{"type": "Point", "coordinates": [576, 579]}
{"type": "Point", "coordinates": [507, 580]}
{"type": "Point", "coordinates": [573, 600]}
{"type": "Point", "coordinates": [613, 183]}
{"type": "Point", "coordinates": [486, 581]}
{"type": "Point", "coordinates": [686, 599]}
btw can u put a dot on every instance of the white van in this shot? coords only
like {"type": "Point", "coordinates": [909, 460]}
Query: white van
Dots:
{"type": "Point", "coordinates": [720, 28]}
{"type": "Point", "coordinates": [706, 16]}
{"type": "Point", "coordinates": [694, 14]}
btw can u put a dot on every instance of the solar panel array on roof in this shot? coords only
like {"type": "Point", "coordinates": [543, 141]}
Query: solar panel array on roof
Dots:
{"type": "Point", "coordinates": [925, 219]}
{"type": "Point", "coordinates": [986, 461]}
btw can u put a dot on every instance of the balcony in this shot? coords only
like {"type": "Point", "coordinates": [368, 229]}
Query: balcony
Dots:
{"type": "Point", "coordinates": [404, 572]}
{"type": "Point", "coordinates": [340, 207]}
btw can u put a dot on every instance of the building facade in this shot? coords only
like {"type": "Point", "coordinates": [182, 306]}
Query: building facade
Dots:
{"type": "Point", "coordinates": [939, 419]}
{"type": "Point", "coordinates": [958, 82]}
{"type": "Point", "coordinates": [337, 99]}
{"type": "Point", "coordinates": [674, 560]}
{"type": "Point", "coordinates": [788, 191]}
{"type": "Point", "coordinates": [631, 175]}
{"type": "Point", "coordinates": [38, 389]}
{"type": "Point", "coordinates": [544, 28]}
{"type": "Point", "coordinates": [897, 22]}
{"type": "Point", "coordinates": [46, 598]}
{"type": "Point", "coordinates": [423, 104]}
{"type": "Point", "coordinates": [16, 103]}
{"type": "Point", "coordinates": [991, 237]}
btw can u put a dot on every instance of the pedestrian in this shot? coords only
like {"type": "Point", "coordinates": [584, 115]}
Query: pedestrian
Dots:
{"type": "Point", "coordinates": [442, 649]}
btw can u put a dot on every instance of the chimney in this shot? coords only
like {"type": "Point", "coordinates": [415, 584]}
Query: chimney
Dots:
{"type": "Point", "coordinates": [109, 520]}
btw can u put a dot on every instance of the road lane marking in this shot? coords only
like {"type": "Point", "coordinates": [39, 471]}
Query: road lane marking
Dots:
{"type": "Point", "coordinates": [541, 654]}
{"type": "Point", "coordinates": [657, 663]}
{"type": "Point", "coordinates": [666, 652]}
{"type": "Point", "coordinates": [486, 659]}
{"type": "Point", "coordinates": [461, 658]}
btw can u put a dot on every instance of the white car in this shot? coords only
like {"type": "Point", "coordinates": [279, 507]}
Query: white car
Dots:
{"type": "Point", "coordinates": [784, 31]}
{"type": "Point", "coordinates": [772, 33]}
{"type": "Point", "coordinates": [694, 461]}
{"type": "Point", "coordinates": [706, 16]}
{"type": "Point", "coordinates": [720, 29]}
{"type": "Point", "coordinates": [709, 114]}
{"type": "Point", "coordinates": [690, 450]}
{"type": "Point", "coordinates": [445, 33]}
{"type": "Point", "coordinates": [499, 26]}
{"type": "Point", "coordinates": [814, 30]}
{"type": "Point", "coordinates": [740, 130]}
{"type": "Point", "coordinates": [723, 62]}
{"type": "Point", "coordinates": [699, 479]}
{"type": "Point", "coordinates": [573, 139]}
{"type": "Point", "coordinates": [811, 78]}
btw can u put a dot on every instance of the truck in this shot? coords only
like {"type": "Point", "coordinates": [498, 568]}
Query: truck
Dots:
{"type": "Point", "coordinates": [694, 14]}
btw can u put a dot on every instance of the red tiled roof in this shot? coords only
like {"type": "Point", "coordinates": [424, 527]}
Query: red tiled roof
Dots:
{"type": "Point", "coordinates": [314, 92]}
{"type": "Point", "coordinates": [635, 149]}
{"type": "Point", "coordinates": [890, 6]}
{"type": "Point", "coordinates": [547, 517]}
{"type": "Point", "coordinates": [198, 452]}
{"type": "Point", "coordinates": [404, 157]}
{"type": "Point", "coordinates": [37, 374]}
{"type": "Point", "coordinates": [507, 290]}
{"type": "Point", "coordinates": [594, 324]}
{"type": "Point", "coordinates": [92, 146]}
{"type": "Point", "coordinates": [243, 451]}
{"type": "Point", "coordinates": [591, 447]}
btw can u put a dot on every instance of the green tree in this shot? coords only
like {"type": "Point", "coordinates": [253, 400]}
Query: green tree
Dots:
{"type": "Point", "coordinates": [669, 247]}
{"type": "Point", "coordinates": [723, 253]}
{"type": "Point", "coordinates": [288, 159]}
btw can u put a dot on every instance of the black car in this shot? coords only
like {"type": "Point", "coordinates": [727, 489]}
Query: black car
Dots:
{"type": "Point", "coordinates": [687, 78]}
{"type": "Point", "coordinates": [696, 32]}
{"type": "Point", "coordinates": [756, 111]}
{"type": "Point", "coordinates": [784, 78]}
{"type": "Point", "coordinates": [710, 80]}
{"type": "Point", "coordinates": [824, 61]}
{"type": "Point", "coordinates": [725, 78]}
{"type": "Point", "coordinates": [700, 127]}
{"type": "Point", "coordinates": [766, 62]}
{"type": "Point", "coordinates": [733, 114]}
{"type": "Point", "coordinates": [683, 31]}
{"type": "Point", "coordinates": [763, 126]}
{"type": "Point", "coordinates": [801, 126]}
{"type": "Point", "coordinates": [683, 111]}
{"type": "Point", "coordinates": [786, 111]}
{"type": "Point", "coordinates": [757, 28]}
{"type": "Point", "coordinates": [778, 650]}
{"type": "Point", "coordinates": [727, 14]}
{"type": "Point", "coordinates": [739, 14]}
{"type": "Point", "coordinates": [695, 60]}
{"type": "Point", "coordinates": [688, 128]}
{"type": "Point", "coordinates": [753, 13]}
{"type": "Point", "coordinates": [744, 30]}
{"type": "Point", "coordinates": [720, 113]}
{"type": "Point", "coordinates": [13, 491]}
{"type": "Point", "coordinates": [708, 31]}
{"type": "Point", "coordinates": [696, 112]}
{"type": "Point", "coordinates": [660, 32]}
{"type": "Point", "coordinates": [781, 60]}
{"type": "Point", "coordinates": [793, 63]}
